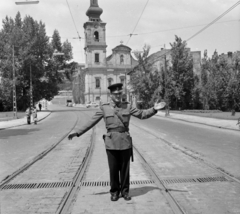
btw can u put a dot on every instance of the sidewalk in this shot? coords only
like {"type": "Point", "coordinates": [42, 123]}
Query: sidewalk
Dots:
{"type": "Point", "coordinates": [219, 123]}
{"type": "Point", "coordinates": [23, 121]}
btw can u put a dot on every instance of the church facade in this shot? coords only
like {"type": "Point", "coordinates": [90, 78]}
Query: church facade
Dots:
{"type": "Point", "coordinates": [102, 70]}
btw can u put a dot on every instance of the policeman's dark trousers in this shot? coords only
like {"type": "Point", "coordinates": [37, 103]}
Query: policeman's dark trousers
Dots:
{"type": "Point", "coordinates": [119, 166]}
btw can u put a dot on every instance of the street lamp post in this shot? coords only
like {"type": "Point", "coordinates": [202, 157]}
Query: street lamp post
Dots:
{"type": "Point", "coordinates": [31, 88]}
{"type": "Point", "coordinates": [14, 91]}
{"type": "Point", "coordinates": [31, 94]}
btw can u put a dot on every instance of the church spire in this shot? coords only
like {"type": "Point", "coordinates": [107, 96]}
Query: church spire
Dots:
{"type": "Point", "coordinates": [94, 11]}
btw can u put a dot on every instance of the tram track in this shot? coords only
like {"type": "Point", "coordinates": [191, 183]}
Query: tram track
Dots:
{"type": "Point", "coordinates": [77, 182]}
{"type": "Point", "coordinates": [195, 156]}
{"type": "Point", "coordinates": [67, 200]}
{"type": "Point", "coordinates": [35, 159]}
{"type": "Point", "coordinates": [165, 191]}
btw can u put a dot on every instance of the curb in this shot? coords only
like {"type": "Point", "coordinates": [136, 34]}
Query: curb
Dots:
{"type": "Point", "coordinates": [49, 112]}
{"type": "Point", "coordinates": [220, 127]}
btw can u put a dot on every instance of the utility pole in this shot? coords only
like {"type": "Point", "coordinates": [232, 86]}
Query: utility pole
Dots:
{"type": "Point", "coordinates": [14, 90]}
{"type": "Point", "coordinates": [166, 83]}
{"type": "Point", "coordinates": [31, 89]}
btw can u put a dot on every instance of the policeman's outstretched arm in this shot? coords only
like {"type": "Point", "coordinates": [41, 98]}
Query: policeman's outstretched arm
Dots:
{"type": "Point", "coordinates": [92, 122]}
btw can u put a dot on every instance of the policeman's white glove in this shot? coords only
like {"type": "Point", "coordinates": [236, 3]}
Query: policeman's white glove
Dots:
{"type": "Point", "coordinates": [71, 135]}
{"type": "Point", "coordinates": [158, 106]}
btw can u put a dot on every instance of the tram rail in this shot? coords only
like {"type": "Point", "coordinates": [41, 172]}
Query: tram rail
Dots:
{"type": "Point", "coordinates": [165, 191]}
{"type": "Point", "coordinates": [190, 154]}
{"type": "Point", "coordinates": [9, 178]}
{"type": "Point", "coordinates": [67, 200]}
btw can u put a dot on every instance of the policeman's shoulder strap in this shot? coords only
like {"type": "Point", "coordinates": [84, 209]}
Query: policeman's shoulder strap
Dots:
{"type": "Point", "coordinates": [104, 104]}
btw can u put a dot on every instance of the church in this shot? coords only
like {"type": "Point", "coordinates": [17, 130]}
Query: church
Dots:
{"type": "Point", "coordinates": [102, 70]}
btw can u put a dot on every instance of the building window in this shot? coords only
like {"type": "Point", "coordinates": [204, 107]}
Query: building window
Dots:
{"type": "Point", "coordinates": [97, 98]}
{"type": "Point", "coordinates": [121, 59]}
{"type": "Point", "coordinates": [98, 83]}
{"type": "Point", "coordinates": [96, 57]}
{"type": "Point", "coordinates": [110, 81]}
{"type": "Point", "coordinates": [122, 80]}
{"type": "Point", "coordinates": [96, 36]}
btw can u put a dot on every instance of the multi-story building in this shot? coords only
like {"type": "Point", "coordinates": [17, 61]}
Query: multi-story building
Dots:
{"type": "Point", "coordinates": [159, 58]}
{"type": "Point", "coordinates": [100, 70]}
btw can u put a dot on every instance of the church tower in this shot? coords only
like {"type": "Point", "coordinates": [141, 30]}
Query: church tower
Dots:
{"type": "Point", "coordinates": [102, 71]}
{"type": "Point", "coordinates": [95, 52]}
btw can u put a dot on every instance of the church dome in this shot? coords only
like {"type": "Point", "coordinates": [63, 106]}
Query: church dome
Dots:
{"type": "Point", "coordinates": [94, 11]}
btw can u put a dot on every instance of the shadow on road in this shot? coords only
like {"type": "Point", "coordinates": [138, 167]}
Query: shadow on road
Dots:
{"type": "Point", "coordinates": [6, 133]}
{"type": "Point", "coordinates": [135, 192]}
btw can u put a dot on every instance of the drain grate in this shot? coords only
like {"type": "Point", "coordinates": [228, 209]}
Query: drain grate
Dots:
{"type": "Point", "coordinates": [64, 184]}
{"type": "Point", "coordinates": [194, 180]}
{"type": "Point", "coordinates": [107, 183]}
{"type": "Point", "coordinates": [39, 185]}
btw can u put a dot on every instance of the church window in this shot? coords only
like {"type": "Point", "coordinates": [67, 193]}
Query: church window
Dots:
{"type": "Point", "coordinates": [122, 80]}
{"type": "Point", "coordinates": [96, 57]}
{"type": "Point", "coordinates": [98, 83]}
{"type": "Point", "coordinates": [121, 59]}
{"type": "Point", "coordinates": [110, 81]}
{"type": "Point", "coordinates": [96, 36]}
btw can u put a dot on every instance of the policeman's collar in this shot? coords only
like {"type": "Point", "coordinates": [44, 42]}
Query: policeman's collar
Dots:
{"type": "Point", "coordinates": [113, 104]}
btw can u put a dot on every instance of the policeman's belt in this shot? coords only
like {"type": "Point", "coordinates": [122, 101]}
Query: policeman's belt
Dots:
{"type": "Point", "coordinates": [118, 129]}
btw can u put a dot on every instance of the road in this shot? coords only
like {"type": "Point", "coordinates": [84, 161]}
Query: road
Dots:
{"type": "Point", "coordinates": [20, 145]}
{"type": "Point", "coordinates": [221, 147]}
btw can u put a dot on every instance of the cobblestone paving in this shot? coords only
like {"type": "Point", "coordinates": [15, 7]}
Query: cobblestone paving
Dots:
{"type": "Point", "coordinates": [208, 198]}
{"type": "Point", "coordinates": [167, 161]}
{"type": "Point", "coordinates": [37, 201]}
{"type": "Point", "coordinates": [60, 164]}
{"type": "Point", "coordinates": [146, 198]}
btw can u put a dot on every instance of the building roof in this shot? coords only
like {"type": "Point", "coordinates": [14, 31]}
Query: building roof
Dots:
{"type": "Point", "coordinates": [122, 48]}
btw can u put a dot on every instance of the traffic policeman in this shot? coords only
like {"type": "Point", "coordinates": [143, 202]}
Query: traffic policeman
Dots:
{"type": "Point", "coordinates": [118, 141]}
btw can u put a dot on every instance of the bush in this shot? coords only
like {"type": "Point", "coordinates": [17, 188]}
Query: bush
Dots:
{"type": "Point", "coordinates": [202, 111]}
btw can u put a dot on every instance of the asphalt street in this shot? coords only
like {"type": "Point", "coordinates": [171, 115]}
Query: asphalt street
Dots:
{"type": "Point", "coordinates": [21, 144]}
{"type": "Point", "coordinates": [219, 146]}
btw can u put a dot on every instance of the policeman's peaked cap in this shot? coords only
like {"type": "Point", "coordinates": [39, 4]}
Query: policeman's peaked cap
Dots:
{"type": "Point", "coordinates": [115, 88]}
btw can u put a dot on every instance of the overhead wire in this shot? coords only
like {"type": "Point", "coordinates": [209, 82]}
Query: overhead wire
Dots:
{"type": "Point", "coordinates": [79, 37]}
{"type": "Point", "coordinates": [200, 31]}
{"type": "Point", "coordinates": [160, 31]}
{"type": "Point", "coordinates": [215, 20]}
{"type": "Point", "coordinates": [130, 35]}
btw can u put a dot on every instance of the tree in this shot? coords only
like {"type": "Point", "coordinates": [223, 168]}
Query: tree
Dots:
{"type": "Point", "coordinates": [33, 52]}
{"type": "Point", "coordinates": [220, 82]}
{"type": "Point", "coordinates": [145, 80]}
{"type": "Point", "coordinates": [182, 68]}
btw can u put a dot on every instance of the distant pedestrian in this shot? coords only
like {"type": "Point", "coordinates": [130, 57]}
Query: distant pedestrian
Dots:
{"type": "Point", "coordinates": [34, 114]}
{"type": "Point", "coordinates": [28, 114]}
{"type": "Point", "coordinates": [40, 106]}
{"type": "Point", "coordinates": [118, 141]}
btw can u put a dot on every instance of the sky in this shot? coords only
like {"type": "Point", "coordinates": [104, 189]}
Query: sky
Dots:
{"type": "Point", "coordinates": [160, 21]}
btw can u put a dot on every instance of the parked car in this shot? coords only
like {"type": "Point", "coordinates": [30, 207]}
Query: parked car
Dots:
{"type": "Point", "coordinates": [93, 104]}
{"type": "Point", "coordinates": [69, 103]}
